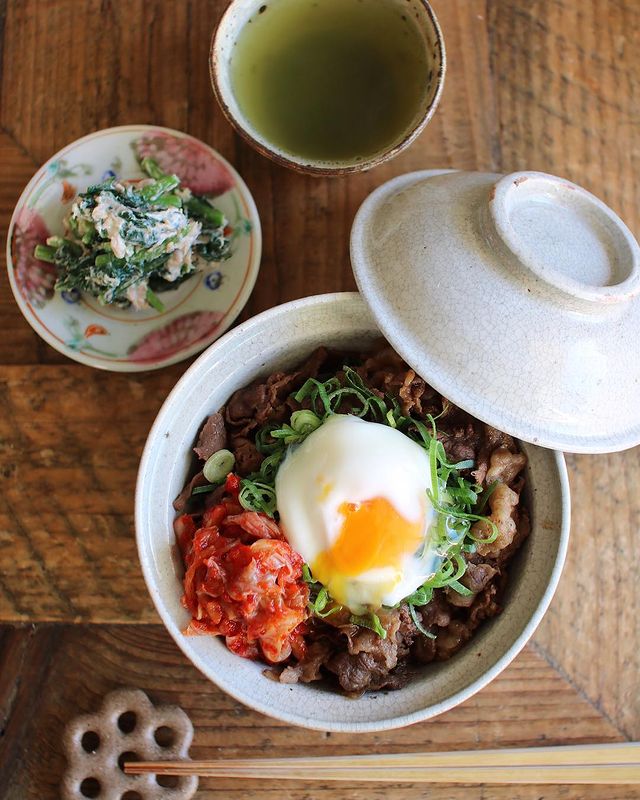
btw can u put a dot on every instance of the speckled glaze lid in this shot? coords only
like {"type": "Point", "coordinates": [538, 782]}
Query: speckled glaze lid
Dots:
{"type": "Point", "coordinates": [516, 296]}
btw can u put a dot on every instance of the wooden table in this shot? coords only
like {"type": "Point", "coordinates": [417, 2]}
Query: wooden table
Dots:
{"type": "Point", "coordinates": [552, 85]}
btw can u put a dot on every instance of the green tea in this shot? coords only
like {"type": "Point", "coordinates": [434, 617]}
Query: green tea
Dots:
{"type": "Point", "coordinates": [330, 80]}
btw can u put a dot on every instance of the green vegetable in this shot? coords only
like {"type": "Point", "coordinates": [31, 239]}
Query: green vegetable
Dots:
{"type": "Point", "coordinates": [203, 490]}
{"type": "Point", "coordinates": [371, 621]}
{"type": "Point", "coordinates": [257, 496]}
{"type": "Point", "coordinates": [218, 466]}
{"type": "Point", "coordinates": [45, 253]}
{"type": "Point", "coordinates": [318, 606]}
{"type": "Point", "coordinates": [417, 622]}
{"type": "Point", "coordinates": [305, 422]}
{"type": "Point", "coordinates": [202, 209]}
{"type": "Point", "coordinates": [123, 239]}
{"type": "Point", "coordinates": [153, 301]}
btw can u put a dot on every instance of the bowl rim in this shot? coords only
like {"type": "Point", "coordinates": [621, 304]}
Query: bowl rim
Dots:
{"type": "Point", "coordinates": [209, 671]}
{"type": "Point", "coordinates": [278, 156]}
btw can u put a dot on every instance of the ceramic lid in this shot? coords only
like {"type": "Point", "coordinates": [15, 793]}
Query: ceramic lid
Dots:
{"type": "Point", "coordinates": [516, 296]}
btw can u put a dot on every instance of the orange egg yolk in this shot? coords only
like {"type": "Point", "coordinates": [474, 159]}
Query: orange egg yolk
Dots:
{"type": "Point", "coordinates": [373, 535]}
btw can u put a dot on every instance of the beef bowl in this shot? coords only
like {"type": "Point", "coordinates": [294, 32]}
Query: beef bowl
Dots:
{"type": "Point", "coordinates": [465, 628]}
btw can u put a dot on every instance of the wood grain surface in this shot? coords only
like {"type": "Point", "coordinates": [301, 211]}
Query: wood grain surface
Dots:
{"type": "Point", "coordinates": [539, 84]}
{"type": "Point", "coordinates": [56, 673]}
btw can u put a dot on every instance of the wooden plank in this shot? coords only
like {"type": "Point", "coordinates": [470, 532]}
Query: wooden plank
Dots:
{"type": "Point", "coordinates": [530, 704]}
{"type": "Point", "coordinates": [19, 344]}
{"type": "Point", "coordinates": [71, 439]}
{"type": "Point", "coordinates": [593, 628]}
{"type": "Point", "coordinates": [567, 82]}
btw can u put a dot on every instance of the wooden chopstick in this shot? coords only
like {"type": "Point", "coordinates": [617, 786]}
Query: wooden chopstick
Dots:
{"type": "Point", "coordinates": [617, 763]}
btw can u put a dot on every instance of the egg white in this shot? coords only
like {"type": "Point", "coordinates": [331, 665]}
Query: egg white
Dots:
{"type": "Point", "coordinates": [349, 460]}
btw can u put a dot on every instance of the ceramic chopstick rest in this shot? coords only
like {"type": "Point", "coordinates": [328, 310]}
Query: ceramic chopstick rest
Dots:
{"type": "Point", "coordinates": [127, 727]}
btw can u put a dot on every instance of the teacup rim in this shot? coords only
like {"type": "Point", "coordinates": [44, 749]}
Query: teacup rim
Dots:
{"type": "Point", "coordinates": [316, 168]}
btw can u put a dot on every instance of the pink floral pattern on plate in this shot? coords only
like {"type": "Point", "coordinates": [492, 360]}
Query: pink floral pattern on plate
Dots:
{"type": "Point", "coordinates": [35, 278]}
{"type": "Point", "coordinates": [184, 331]}
{"type": "Point", "coordinates": [189, 159]}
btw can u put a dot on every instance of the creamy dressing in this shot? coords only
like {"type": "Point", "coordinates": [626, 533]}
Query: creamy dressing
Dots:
{"type": "Point", "coordinates": [108, 222]}
{"type": "Point", "coordinates": [137, 295]}
{"type": "Point", "coordinates": [109, 219]}
{"type": "Point", "coordinates": [181, 255]}
{"type": "Point", "coordinates": [167, 235]}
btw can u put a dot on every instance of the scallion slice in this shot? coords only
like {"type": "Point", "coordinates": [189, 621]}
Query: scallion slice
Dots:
{"type": "Point", "coordinates": [218, 466]}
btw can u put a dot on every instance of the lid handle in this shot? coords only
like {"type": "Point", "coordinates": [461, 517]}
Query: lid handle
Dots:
{"type": "Point", "coordinates": [566, 237]}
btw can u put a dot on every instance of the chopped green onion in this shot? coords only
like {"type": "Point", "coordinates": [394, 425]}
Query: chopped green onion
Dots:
{"type": "Point", "coordinates": [328, 613]}
{"type": "Point", "coordinates": [486, 494]}
{"type": "Point", "coordinates": [218, 466]}
{"type": "Point", "coordinates": [418, 623]}
{"type": "Point", "coordinates": [257, 496]}
{"type": "Point", "coordinates": [371, 621]}
{"type": "Point", "coordinates": [305, 421]}
{"type": "Point", "coordinates": [460, 589]}
{"type": "Point", "coordinates": [263, 445]}
{"type": "Point", "coordinates": [203, 490]}
{"type": "Point", "coordinates": [463, 464]}
{"type": "Point", "coordinates": [421, 596]}
{"type": "Point", "coordinates": [322, 599]}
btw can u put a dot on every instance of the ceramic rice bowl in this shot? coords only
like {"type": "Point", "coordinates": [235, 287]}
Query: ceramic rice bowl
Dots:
{"type": "Point", "coordinates": [277, 339]}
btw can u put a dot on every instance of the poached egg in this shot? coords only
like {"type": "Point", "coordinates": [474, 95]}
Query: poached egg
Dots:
{"type": "Point", "coordinates": [353, 502]}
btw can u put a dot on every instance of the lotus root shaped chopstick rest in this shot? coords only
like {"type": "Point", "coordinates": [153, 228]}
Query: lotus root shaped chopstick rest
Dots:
{"type": "Point", "coordinates": [128, 727]}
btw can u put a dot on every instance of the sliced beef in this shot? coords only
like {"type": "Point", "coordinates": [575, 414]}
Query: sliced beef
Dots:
{"type": "Point", "coordinates": [368, 659]}
{"type": "Point", "coordinates": [503, 502]}
{"type": "Point", "coordinates": [359, 658]}
{"type": "Point", "coordinates": [265, 400]}
{"type": "Point", "coordinates": [491, 440]}
{"type": "Point", "coordinates": [411, 393]}
{"type": "Point", "coordinates": [476, 577]}
{"type": "Point", "coordinates": [389, 374]}
{"type": "Point", "coordinates": [242, 407]}
{"type": "Point", "coordinates": [451, 639]}
{"type": "Point", "coordinates": [436, 613]}
{"type": "Point", "coordinates": [180, 503]}
{"type": "Point", "coordinates": [484, 606]}
{"type": "Point", "coordinates": [213, 437]}
{"type": "Point", "coordinates": [424, 649]}
{"type": "Point", "coordinates": [248, 459]}
{"type": "Point", "coordinates": [310, 668]}
{"type": "Point", "coordinates": [504, 466]}
{"type": "Point", "coordinates": [461, 443]}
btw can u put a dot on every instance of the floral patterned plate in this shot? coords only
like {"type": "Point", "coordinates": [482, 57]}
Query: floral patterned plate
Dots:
{"type": "Point", "coordinates": [195, 314]}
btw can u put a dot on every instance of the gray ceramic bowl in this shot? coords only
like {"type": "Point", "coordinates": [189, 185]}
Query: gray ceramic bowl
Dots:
{"type": "Point", "coordinates": [280, 338]}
